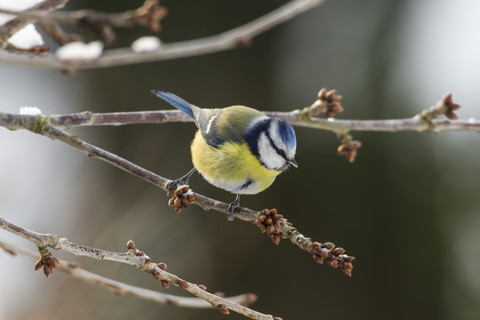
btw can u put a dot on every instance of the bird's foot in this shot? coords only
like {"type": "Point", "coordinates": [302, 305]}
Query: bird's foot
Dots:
{"type": "Point", "coordinates": [173, 185]}
{"type": "Point", "coordinates": [232, 207]}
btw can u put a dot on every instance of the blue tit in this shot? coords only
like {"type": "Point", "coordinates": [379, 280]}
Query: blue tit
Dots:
{"type": "Point", "coordinates": [237, 148]}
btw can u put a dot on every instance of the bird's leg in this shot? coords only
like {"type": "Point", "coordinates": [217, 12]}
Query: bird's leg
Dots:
{"type": "Point", "coordinates": [183, 180]}
{"type": "Point", "coordinates": [232, 207]}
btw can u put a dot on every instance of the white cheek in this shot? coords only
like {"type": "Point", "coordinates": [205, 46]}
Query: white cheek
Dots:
{"type": "Point", "coordinates": [268, 155]}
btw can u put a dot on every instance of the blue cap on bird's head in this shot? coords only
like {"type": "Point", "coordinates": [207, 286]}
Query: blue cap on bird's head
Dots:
{"type": "Point", "coordinates": [287, 133]}
{"type": "Point", "coordinates": [273, 142]}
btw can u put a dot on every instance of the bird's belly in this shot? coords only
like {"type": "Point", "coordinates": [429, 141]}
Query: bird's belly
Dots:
{"type": "Point", "coordinates": [247, 187]}
{"type": "Point", "coordinates": [231, 167]}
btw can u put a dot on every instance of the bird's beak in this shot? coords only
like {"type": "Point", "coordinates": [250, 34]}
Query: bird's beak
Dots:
{"type": "Point", "coordinates": [293, 163]}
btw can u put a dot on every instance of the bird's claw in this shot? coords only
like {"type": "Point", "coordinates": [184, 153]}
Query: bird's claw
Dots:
{"type": "Point", "coordinates": [232, 207]}
{"type": "Point", "coordinates": [173, 185]}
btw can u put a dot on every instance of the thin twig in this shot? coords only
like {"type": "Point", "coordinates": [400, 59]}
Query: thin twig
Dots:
{"type": "Point", "coordinates": [296, 117]}
{"type": "Point", "coordinates": [17, 23]}
{"type": "Point", "coordinates": [41, 125]}
{"type": "Point", "coordinates": [228, 40]}
{"type": "Point", "coordinates": [388, 125]}
{"type": "Point", "coordinates": [135, 258]}
{"type": "Point", "coordinates": [120, 288]}
{"type": "Point", "coordinates": [125, 19]}
{"type": "Point", "coordinates": [331, 124]}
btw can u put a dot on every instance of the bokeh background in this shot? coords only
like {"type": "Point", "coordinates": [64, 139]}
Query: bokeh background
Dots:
{"type": "Point", "coordinates": [408, 208]}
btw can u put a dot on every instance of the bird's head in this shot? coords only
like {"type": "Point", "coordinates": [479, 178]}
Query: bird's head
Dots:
{"type": "Point", "coordinates": [273, 142]}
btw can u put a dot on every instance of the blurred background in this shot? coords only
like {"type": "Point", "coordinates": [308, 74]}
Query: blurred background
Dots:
{"type": "Point", "coordinates": [408, 208]}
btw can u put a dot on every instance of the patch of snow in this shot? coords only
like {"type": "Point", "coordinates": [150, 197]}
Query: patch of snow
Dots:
{"type": "Point", "coordinates": [146, 44]}
{"type": "Point", "coordinates": [80, 51]}
{"type": "Point", "coordinates": [28, 37]}
{"type": "Point", "coordinates": [33, 111]}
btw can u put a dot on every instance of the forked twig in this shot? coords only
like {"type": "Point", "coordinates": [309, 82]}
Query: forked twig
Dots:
{"type": "Point", "coordinates": [133, 257]}
{"type": "Point", "coordinates": [227, 40]}
{"type": "Point", "coordinates": [119, 288]}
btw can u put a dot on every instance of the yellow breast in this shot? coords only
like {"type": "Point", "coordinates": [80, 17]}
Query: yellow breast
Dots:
{"type": "Point", "coordinates": [231, 167]}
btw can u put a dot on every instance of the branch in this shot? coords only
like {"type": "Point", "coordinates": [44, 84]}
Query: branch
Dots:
{"type": "Point", "coordinates": [228, 40]}
{"type": "Point", "coordinates": [299, 117]}
{"type": "Point", "coordinates": [46, 126]}
{"type": "Point", "coordinates": [98, 24]}
{"type": "Point", "coordinates": [127, 19]}
{"type": "Point", "coordinates": [24, 18]}
{"type": "Point", "coordinates": [327, 104]}
{"type": "Point", "coordinates": [295, 117]}
{"type": "Point", "coordinates": [119, 288]}
{"type": "Point", "coordinates": [133, 257]}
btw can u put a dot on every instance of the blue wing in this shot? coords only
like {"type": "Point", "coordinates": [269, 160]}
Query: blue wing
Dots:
{"type": "Point", "coordinates": [204, 118]}
{"type": "Point", "coordinates": [175, 101]}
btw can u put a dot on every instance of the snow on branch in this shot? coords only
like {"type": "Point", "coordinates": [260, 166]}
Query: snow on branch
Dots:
{"type": "Point", "coordinates": [149, 14]}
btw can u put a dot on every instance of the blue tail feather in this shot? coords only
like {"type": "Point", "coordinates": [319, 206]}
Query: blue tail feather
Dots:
{"type": "Point", "coordinates": [175, 101]}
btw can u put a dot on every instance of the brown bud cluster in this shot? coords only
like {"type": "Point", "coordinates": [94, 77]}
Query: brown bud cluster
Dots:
{"type": "Point", "coordinates": [165, 283]}
{"type": "Point", "coordinates": [47, 261]}
{"type": "Point", "coordinates": [446, 107]}
{"type": "Point", "coordinates": [270, 222]}
{"type": "Point", "coordinates": [150, 14]}
{"type": "Point", "coordinates": [156, 274]}
{"type": "Point", "coordinates": [162, 266]}
{"type": "Point", "coordinates": [131, 245]}
{"type": "Point", "coordinates": [182, 284]}
{"type": "Point", "coordinates": [332, 99]}
{"type": "Point", "coordinates": [203, 287]}
{"type": "Point", "coordinates": [349, 150]}
{"type": "Point", "coordinates": [223, 309]}
{"type": "Point", "coordinates": [334, 257]}
{"type": "Point", "coordinates": [181, 199]}
{"type": "Point", "coordinates": [450, 106]}
{"type": "Point", "coordinates": [131, 249]}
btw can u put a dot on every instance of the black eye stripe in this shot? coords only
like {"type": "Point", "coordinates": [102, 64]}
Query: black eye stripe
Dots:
{"type": "Point", "coordinates": [280, 152]}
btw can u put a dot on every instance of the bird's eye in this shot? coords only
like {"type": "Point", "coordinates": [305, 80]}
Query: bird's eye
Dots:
{"type": "Point", "coordinates": [282, 153]}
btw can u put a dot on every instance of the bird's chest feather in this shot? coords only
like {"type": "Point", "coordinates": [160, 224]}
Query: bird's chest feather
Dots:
{"type": "Point", "coordinates": [231, 167]}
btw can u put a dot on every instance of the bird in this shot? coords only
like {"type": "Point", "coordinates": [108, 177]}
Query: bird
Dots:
{"type": "Point", "coordinates": [236, 148]}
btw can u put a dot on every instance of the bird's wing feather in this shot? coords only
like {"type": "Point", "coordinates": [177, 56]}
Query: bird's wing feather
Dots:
{"type": "Point", "coordinates": [205, 119]}
{"type": "Point", "coordinates": [175, 101]}
{"type": "Point", "coordinates": [202, 117]}
{"type": "Point", "coordinates": [230, 125]}
{"type": "Point", "coordinates": [216, 125]}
